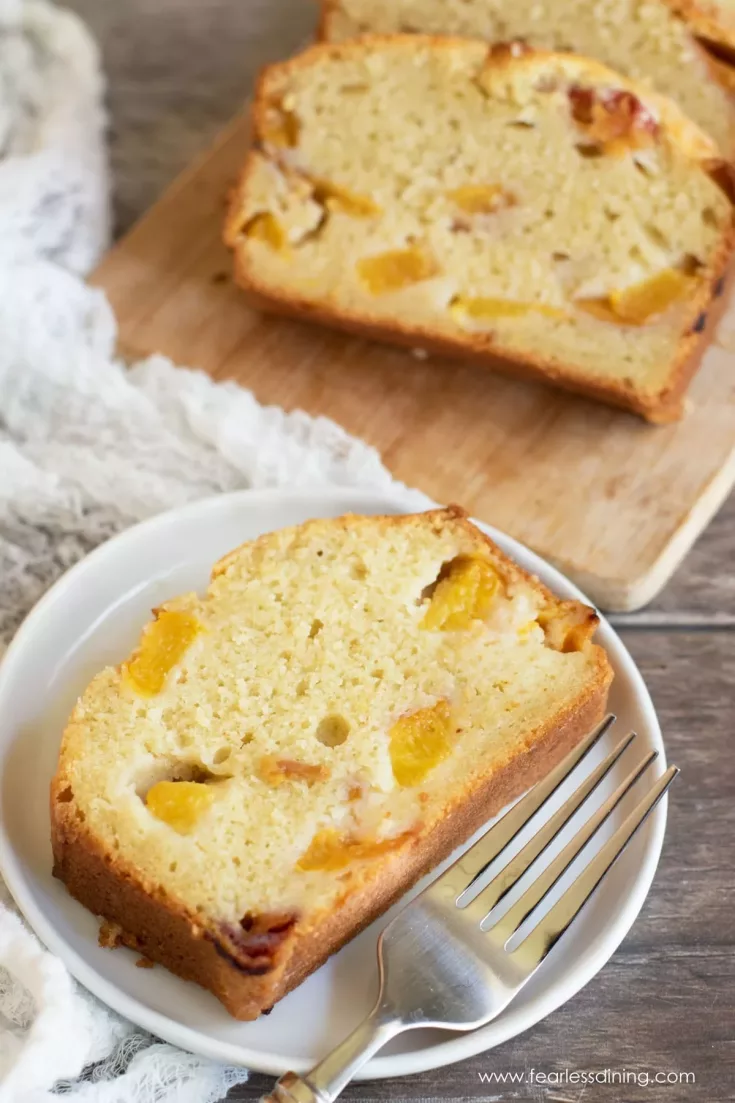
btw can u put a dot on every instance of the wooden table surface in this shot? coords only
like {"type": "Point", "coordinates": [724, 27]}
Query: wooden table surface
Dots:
{"type": "Point", "coordinates": [178, 70]}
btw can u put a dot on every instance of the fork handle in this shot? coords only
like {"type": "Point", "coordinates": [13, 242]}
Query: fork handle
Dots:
{"type": "Point", "coordinates": [327, 1080]}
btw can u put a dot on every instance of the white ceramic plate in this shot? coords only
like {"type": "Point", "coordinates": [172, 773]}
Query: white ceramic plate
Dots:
{"type": "Point", "coordinates": [91, 618]}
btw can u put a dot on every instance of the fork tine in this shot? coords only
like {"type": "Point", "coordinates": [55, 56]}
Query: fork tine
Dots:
{"type": "Point", "coordinates": [543, 884]}
{"type": "Point", "coordinates": [549, 930]}
{"type": "Point", "coordinates": [473, 864]}
{"type": "Point", "coordinates": [504, 881]}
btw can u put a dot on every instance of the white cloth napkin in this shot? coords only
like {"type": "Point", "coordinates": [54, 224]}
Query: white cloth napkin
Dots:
{"type": "Point", "coordinates": [88, 447]}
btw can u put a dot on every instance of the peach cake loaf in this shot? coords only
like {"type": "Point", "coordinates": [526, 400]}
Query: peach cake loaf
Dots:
{"type": "Point", "coordinates": [535, 211]}
{"type": "Point", "coordinates": [642, 39]}
{"type": "Point", "coordinates": [283, 757]}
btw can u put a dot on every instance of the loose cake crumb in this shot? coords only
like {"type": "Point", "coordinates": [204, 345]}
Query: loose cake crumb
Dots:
{"type": "Point", "coordinates": [110, 935]}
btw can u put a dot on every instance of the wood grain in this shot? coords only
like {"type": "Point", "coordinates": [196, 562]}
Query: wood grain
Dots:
{"type": "Point", "coordinates": [612, 501]}
{"type": "Point", "coordinates": [702, 591]}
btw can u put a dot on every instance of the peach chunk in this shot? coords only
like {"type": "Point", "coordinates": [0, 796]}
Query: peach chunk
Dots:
{"type": "Point", "coordinates": [275, 771]}
{"type": "Point", "coordinates": [483, 308]}
{"type": "Point", "coordinates": [265, 227]}
{"type": "Point", "coordinates": [465, 593]}
{"type": "Point", "coordinates": [395, 270]}
{"type": "Point", "coordinates": [641, 302]}
{"type": "Point", "coordinates": [336, 198]}
{"type": "Point", "coordinates": [481, 198]}
{"type": "Point", "coordinates": [613, 118]}
{"type": "Point", "coordinates": [180, 804]}
{"type": "Point", "coordinates": [420, 741]}
{"type": "Point", "coordinates": [329, 850]}
{"type": "Point", "coordinates": [282, 127]}
{"type": "Point", "coordinates": [164, 644]}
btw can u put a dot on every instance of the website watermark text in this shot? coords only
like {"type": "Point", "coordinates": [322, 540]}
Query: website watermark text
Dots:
{"type": "Point", "coordinates": [584, 1077]}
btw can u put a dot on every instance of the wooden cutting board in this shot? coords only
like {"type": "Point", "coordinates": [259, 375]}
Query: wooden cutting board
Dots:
{"type": "Point", "coordinates": [614, 502]}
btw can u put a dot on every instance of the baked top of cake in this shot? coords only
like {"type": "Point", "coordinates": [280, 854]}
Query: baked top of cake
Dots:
{"type": "Point", "coordinates": [340, 688]}
{"type": "Point", "coordinates": [643, 39]}
{"type": "Point", "coordinates": [536, 209]}
{"type": "Point", "coordinates": [714, 20]}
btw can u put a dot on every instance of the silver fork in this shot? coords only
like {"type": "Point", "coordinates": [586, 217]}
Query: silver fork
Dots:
{"type": "Point", "coordinates": [442, 962]}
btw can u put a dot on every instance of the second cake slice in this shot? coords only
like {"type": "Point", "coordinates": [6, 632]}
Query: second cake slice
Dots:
{"type": "Point", "coordinates": [535, 210]}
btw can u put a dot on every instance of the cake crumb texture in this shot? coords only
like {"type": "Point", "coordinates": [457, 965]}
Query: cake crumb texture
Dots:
{"type": "Point", "coordinates": [646, 40]}
{"type": "Point", "coordinates": [536, 211]}
{"type": "Point", "coordinates": [358, 695]}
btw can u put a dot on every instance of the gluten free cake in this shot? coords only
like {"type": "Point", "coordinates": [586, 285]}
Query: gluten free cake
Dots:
{"type": "Point", "coordinates": [646, 40]}
{"type": "Point", "coordinates": [536, 212]}
{"type": "Point", "coordinates": [282, 757]}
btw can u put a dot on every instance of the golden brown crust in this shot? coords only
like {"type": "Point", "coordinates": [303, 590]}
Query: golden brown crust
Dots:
{"type": "Point", "coordinates": [150, 923]}
{"type": "Point", "coordinates": [498, 58]}
{"type": "Point", "coordinates": [659, 407]}
{"type": "Point", "coordinates": [162, 931]}
{"type": "Point", "coordinates": [327, 11]}
{"type": "Point", "coordinates": [251, 966]}
{"type": "Point", "coordinates": [724, 70]}
{"type": "Point", "coordinates": [439, 518]}
{"type": "Point", "coordinates": [704, 19]}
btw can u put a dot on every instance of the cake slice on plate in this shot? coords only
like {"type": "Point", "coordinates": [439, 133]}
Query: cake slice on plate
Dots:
{"type": "Point", "coordinates": [280, 759]}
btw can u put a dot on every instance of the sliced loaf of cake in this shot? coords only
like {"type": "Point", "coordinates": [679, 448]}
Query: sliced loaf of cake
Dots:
{"type": "Point", "coordinates": [643, 39]}
{"type": "Point", "coordinates": [536, 211]}
{"type": "Point", "coordinates": [283, 757]}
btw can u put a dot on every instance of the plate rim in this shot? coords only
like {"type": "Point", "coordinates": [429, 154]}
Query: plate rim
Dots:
{"type": "Point", "coordinates": [459, 1046]}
